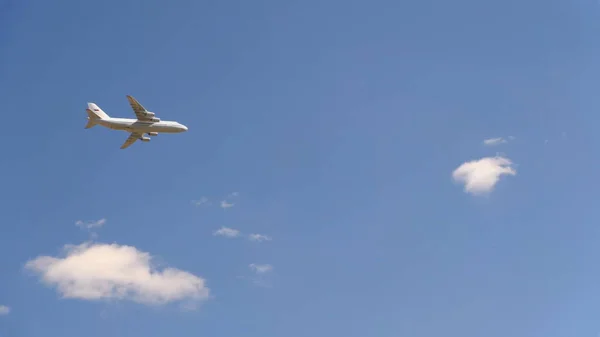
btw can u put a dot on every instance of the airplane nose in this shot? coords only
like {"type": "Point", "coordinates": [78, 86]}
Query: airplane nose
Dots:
{"type": "Point", "coordinates": [184, 128]}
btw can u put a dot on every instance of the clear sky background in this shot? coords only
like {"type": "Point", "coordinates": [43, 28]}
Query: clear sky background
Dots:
{"type": "Point", "coordinates": [336, 132]}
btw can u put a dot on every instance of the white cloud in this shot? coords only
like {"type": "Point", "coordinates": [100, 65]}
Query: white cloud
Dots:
{"type": "Point", "coordinates": [4, 310]}
{"type": "Point", "coordinates": [494, 141]}
{"type": "Point", "coordinates": [201, 201]}
{"type": "Point", "coordinates": [480, 176]}
{"type": "Point", "coordinates": [90, 224]}
{"type": "Point", "coordinates": [227, 232]}
{"type": "Point", "coordinates": [110, 271]}
{"type": "Point", "coordinates": [228, 204]}
{"type": "Point", "coordinates": [261, 268]}
{"type": "Point", "coordinates": [261, 274]}
{"type": "Point", "coordinates": [259, 237]}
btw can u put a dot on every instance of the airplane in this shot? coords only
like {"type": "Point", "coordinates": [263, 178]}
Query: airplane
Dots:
{"type": "Point", "coordinates": [145, 123]}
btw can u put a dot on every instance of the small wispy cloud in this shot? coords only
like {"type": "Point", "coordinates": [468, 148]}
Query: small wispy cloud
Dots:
{"type": "Point", "coordinates": [90, 224]}
{"type": "Point", "coordinates": [227, 232]}
{"type": "Point", "coordinates": [260, 268]}
{"type": "Point", "coordinates": [496, 141]}
{"type": "Point", "coordinates": [480, 176]}
{"type": "Point", "coordinates": [234, 233]}
{"type": "Point", "coordinates": [261, 275]}
{"type": "Point", "coordinates": [259, 237]}
{"type": "Point", "coordinates": [201, 201]}
{"type": "Point", "coordinates": [4, 310]}
{"type": "Point", "coordinates": [227, 203]}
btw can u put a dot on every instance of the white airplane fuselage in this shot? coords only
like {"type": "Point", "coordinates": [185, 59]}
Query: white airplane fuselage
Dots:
{"type": "Point", "coordinates": [134, 125]}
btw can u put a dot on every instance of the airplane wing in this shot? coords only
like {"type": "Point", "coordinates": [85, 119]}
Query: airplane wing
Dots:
{"type": "Point", "coordinates": [140, 112]}
{"type": "Point", "coordinates": [131, 139]}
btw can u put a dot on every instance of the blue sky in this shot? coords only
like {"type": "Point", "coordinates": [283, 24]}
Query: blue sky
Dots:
{"type": "Point", "coordinates": [349, 134]}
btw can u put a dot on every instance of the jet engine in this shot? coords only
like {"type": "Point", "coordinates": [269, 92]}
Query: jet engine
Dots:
{"type": "Point", "coordinates": [148, 114]}
{"type": "Point", "coordinates": [155, 119]}
{"type": "Point", "coordinates": [152, 133]}
{"type": "Point", "coordinates": [145, 139]}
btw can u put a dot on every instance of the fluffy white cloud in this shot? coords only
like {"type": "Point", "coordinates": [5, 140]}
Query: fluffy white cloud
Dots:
{"type": "Point", "coordinates": [259, 237]}
{"type": "Point", "coordinates": [90, 224]}
{"type": "Point", "coordinates": [110, 271]}
{"type": "Point", "coordinates": [4, 310]}
{"type": "Point", "coordinates": [227, 232]}
{"type": "Point", "coordinates": [480, 176]}
{"type": "Point", "coordinates": [261, 268]}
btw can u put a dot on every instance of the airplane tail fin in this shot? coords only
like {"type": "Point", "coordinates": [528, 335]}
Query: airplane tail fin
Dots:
{"type": "Point", "coordinates": [94, 114]}
{"type": "Point", "coordinates": [90, 123]}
